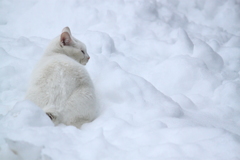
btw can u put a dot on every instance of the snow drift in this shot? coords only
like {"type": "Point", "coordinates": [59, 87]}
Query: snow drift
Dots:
{"type": "Point", "coordinates": [167, 76]}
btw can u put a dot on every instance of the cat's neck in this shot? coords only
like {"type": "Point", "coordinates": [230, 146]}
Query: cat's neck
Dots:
{"type": "Point", "coordinates": [53, 48]}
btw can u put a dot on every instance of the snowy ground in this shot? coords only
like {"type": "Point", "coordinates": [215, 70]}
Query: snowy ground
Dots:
{"type": "Point", "coordinates": [166, 72]}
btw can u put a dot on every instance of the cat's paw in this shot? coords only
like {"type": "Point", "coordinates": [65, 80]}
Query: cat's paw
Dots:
{"type": "Point", "coordinates": [51, 116]}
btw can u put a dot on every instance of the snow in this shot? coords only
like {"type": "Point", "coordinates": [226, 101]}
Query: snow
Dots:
{"type": "Point", "coordinates": [166, 74]}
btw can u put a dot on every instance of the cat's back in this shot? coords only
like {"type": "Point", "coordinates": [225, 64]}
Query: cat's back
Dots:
{"type": "Point", "coordinates": [55, 78]}
{"type": "Point", "coordinates": [58, 67]}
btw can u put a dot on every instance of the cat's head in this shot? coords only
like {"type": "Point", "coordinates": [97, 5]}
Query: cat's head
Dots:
{"type": "Point", "coordinates": [73, 47]}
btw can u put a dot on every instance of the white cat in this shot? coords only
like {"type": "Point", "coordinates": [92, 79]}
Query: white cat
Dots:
{"type": "Point", "coordinates": [60, 84]}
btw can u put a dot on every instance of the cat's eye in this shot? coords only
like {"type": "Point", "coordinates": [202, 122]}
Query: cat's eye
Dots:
{"type": "Point", "coordinates": [83, 51]}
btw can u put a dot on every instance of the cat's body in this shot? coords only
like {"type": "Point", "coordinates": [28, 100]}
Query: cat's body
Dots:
{"type": "Point", "coordinates": [60, 84]}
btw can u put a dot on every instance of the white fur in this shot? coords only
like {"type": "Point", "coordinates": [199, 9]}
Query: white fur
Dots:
{"type": "Point", "coordinates": [60, 84]}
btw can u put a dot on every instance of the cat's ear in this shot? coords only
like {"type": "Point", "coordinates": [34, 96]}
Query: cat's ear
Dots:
{"type": "Point", "coordinates": [65, 39]}
{"type": "Point", "coordinates": [66, 29]}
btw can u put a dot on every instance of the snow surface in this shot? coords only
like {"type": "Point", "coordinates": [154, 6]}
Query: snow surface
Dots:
{"type": "Point", "coordinates": [166, 73]}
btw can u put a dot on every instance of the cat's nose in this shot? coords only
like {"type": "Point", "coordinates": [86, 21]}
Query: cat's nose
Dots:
{"type": "Point", "coordinates": [88, 58]}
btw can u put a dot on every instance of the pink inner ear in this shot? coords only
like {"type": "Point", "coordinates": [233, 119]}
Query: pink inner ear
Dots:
{"type": "Point", "coordinates": [65, 39]}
